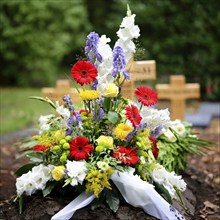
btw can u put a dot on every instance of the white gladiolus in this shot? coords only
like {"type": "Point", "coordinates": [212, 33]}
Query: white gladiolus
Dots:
{"type": "Point", "coordinates": [128, 30]}
{"type": "Point", "coordinates": [76, 170]}
{"type": "Point", "coordinates": [35, 179]}
{"type": "Point", "coordinates": [126, 33]}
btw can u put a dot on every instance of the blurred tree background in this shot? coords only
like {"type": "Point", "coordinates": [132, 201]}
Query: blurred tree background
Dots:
{"type": "Point", "coordinates": [41, 39]}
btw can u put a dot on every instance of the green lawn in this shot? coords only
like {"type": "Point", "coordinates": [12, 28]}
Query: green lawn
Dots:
{"type": "Point", "coordinates": [19, 111]}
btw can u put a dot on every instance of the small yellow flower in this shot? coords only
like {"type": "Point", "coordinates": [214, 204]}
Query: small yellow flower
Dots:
{"type": "Point", "coordinates": [89, 94]}
{"type": "Point", "coordinates": [97, 180]}
{"type": "Point", "coordinates": [58, 173]}
{"type": "Point", "coordinates": [105, 141]}
{"type": "Point", "coordinates": [122, 130]}
{"type": "Point", "coordinates": [111, 90]}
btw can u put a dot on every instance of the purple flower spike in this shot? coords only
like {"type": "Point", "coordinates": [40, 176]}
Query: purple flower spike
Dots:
{"type": "Point", "coordinates": [156, 131]}
{"type": "Point", "coordinates": [119, 63]}
{"type": "Point", "coordinates": [91, 47]}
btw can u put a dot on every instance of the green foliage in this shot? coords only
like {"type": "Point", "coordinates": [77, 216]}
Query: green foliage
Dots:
{"type": "Point", "coordinates": [173, 155]}
{"type": "Point", "coordinates": [35, 37]}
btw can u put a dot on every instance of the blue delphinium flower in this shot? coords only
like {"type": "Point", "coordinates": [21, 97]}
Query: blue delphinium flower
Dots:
{"type": "Point", "coordinates": [78, 118]}
{"type": "Point", "coordinates": [119, 63]}
{"type": "Point", "coordinates": [68, 103]}
{"type": "Point", "coordinates": [91, 47]}
{"type": "Point", "coordinates": [98, 116]}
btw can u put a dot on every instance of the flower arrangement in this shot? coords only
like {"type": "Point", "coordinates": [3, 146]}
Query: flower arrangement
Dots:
{"type": "Point", "coordinates": [110, 145]}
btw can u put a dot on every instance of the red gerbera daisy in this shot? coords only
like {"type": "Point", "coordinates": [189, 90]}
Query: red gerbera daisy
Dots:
{"type": "Point", "coordinates": [40, 148]}
{"type": "Point", "coordinates": [84, 72]}
{"type": "Point", "coordinates": [146, 95]}
{"type": "Point", "coordinates": [126, 155]}
{"type": "Point", "coordinates": [133, 115]}
{"type": "Point", "coordinates": [80, 148]}
{"type": "Point", "coordinates": [155, 149]}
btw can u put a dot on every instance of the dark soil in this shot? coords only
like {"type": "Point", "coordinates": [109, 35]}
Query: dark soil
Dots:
{"type": "Point", "coordinates": [202, 195]}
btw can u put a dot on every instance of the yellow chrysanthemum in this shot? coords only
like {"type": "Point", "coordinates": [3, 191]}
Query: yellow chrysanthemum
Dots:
{"type": "Point", "coordinates": [58, 173]}
{"type": "Point", "coordinates": [122, 130]}
{"type": "Point", "coordinates": [89, 95]}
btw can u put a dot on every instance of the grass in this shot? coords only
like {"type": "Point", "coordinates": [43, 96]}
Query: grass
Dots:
{"type": "Point", "coordinates": [19, 111]}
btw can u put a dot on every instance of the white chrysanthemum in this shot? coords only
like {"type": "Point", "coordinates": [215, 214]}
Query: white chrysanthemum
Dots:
{"type": "Point", "coordinates": [155, 118]}
{"type": "Point", "coordinates": [168, 180]}
{"type": "Point", "coordinates": [77, 171]}
{"type": "Point", "coordinates": [35, 179]}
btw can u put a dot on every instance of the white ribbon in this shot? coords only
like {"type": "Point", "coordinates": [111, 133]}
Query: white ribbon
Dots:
{"type": "Point", "coordinates": [135, 191]}
{"type": "Point", "coordinates": [79, 202]}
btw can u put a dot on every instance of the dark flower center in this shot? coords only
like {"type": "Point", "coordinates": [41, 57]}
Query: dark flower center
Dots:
{"type": "Point", "coordinates": [84, 72]}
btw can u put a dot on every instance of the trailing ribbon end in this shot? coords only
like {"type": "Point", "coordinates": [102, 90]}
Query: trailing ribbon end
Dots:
{"type": "Point", "coordinates": [139, 193]}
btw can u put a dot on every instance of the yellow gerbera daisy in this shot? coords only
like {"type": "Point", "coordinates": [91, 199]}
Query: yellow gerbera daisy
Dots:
{"type": "Point", "coordinates": [122, 130]}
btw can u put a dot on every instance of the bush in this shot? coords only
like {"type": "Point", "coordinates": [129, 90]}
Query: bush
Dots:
{"type": "Point", "coordinates": [35, 37]}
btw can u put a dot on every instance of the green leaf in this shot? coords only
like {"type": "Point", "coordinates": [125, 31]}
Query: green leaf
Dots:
{"type": "Point", "coordinates": [48, 188]}
{"type": "Point", "coordinates": [98, 201]}
{"type": "Point", "coordinates": [162, 190]}
{"type": "Point", "coordinates": [44, 100]}
{"type": "Point", "coordinates": [35, 157]}
{"type": "Point", "coordinates": [113, 117]}
{"type": "Point", "coordinates": [106, 104]}
{"type": "Point", "coordinates": [112, 200]}
{"type": "Point", "coordinates": [29, 144]}
{"type": "Point", "coordinates": [24, 169]}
